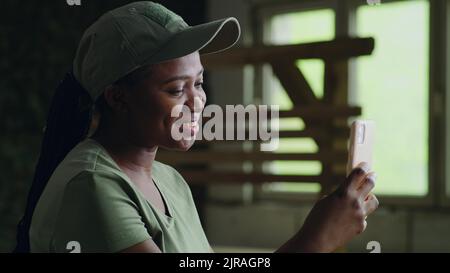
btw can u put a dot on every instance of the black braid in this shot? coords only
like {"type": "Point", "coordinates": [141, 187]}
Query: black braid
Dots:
{"type": "Point", "coordinates": [68, 123]}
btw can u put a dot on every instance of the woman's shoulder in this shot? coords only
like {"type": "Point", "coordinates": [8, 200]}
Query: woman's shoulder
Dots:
{"type": "Point", "coordinates": [99, 183]}
{"type": "Point", "coordinates": [87, 165]}
{"type": "Point", "coordinates": [89, 155]}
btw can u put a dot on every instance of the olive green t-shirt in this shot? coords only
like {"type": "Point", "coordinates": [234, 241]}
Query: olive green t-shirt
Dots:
{"type": "Point", "coordinates": [89, 202]}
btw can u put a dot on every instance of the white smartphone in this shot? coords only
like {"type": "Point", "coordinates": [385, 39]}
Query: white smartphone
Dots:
{"type": "Point", "coordinates": [362, 137]}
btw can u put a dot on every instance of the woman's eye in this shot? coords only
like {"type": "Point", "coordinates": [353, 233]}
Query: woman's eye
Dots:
{"type": "Point", "coordinates": [175, 92]}
{"type": "Point", "coordinates": [199, 85]}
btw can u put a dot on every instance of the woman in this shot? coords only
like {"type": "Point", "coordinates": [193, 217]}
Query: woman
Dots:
{"type": "Point", "coordinates": [106, 192]}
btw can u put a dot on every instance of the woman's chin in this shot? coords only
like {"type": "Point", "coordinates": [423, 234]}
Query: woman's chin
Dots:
{"type": "Point", "coordinates": [184, 141]}
{"type": "Point", "coordinates": [186, 147]}
{"type": "Point", "coordinates": [182, 145]}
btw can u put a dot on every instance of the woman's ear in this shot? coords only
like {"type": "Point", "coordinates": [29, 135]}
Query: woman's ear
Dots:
{"type": "Point", "coordinates": [116, 99]}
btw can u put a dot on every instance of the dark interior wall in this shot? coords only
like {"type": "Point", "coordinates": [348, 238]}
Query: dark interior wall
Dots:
{"type": "Point", "coordinates": [38, 41]}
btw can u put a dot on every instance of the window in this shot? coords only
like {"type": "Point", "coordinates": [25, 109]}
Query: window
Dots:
{"type": "Point", "coordinates": [391, 86]}
{"type": "Point", "coordinates": [293, 28]}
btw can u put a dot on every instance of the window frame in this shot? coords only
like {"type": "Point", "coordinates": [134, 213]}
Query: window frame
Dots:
{"type": "Point", "coordinates": [441, 90]}
{"type": "Point", "coordinates": [438, 91]}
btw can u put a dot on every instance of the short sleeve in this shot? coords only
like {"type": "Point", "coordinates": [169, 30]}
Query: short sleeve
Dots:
{"type": "Point", "coordinates": [99, 213]}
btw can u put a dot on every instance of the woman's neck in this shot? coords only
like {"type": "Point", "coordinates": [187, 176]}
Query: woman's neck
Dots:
{"type": "Point", "coordinates": [133, 159]}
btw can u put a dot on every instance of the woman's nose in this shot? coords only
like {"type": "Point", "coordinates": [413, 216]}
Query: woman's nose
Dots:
{"type": "Point", "coordinates": [195, 103]}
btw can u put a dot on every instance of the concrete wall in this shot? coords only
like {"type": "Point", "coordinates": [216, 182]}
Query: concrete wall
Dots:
{"type": "Point", "coordinates": [265, 227]}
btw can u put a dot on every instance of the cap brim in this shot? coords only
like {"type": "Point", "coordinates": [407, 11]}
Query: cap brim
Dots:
{"type": "Point", "coordinates": [206, 38]}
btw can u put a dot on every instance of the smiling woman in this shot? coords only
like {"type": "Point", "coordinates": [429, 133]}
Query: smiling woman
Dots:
{"type": "Point", "coordinates": [105, 192]}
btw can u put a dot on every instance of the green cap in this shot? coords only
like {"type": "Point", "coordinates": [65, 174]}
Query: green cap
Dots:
{"type": "Point", "coordinates": [142, 33]}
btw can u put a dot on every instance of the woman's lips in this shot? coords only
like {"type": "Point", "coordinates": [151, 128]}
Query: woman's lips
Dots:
{"type": "Point", "coordinates": [192, 126]}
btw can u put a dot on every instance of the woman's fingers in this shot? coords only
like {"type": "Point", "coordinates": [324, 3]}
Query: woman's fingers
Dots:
{"type": "Point", "coordinates": [367, 185]}
{"type": "Point", "coordinates": [371, 204]}
{"type": "Point", "coordinates": [356, 177]}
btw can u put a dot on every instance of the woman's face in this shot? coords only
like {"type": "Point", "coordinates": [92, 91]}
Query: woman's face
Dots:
{"type": "Point", "coordinates": [173, 83]}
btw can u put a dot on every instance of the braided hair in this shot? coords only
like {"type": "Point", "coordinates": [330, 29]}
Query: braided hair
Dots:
{"type": "Point", "coordinates": [68, 123]}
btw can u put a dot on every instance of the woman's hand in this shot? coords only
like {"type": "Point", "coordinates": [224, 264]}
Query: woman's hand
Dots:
{"type": "Point", "coordinates": [338, 217]}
